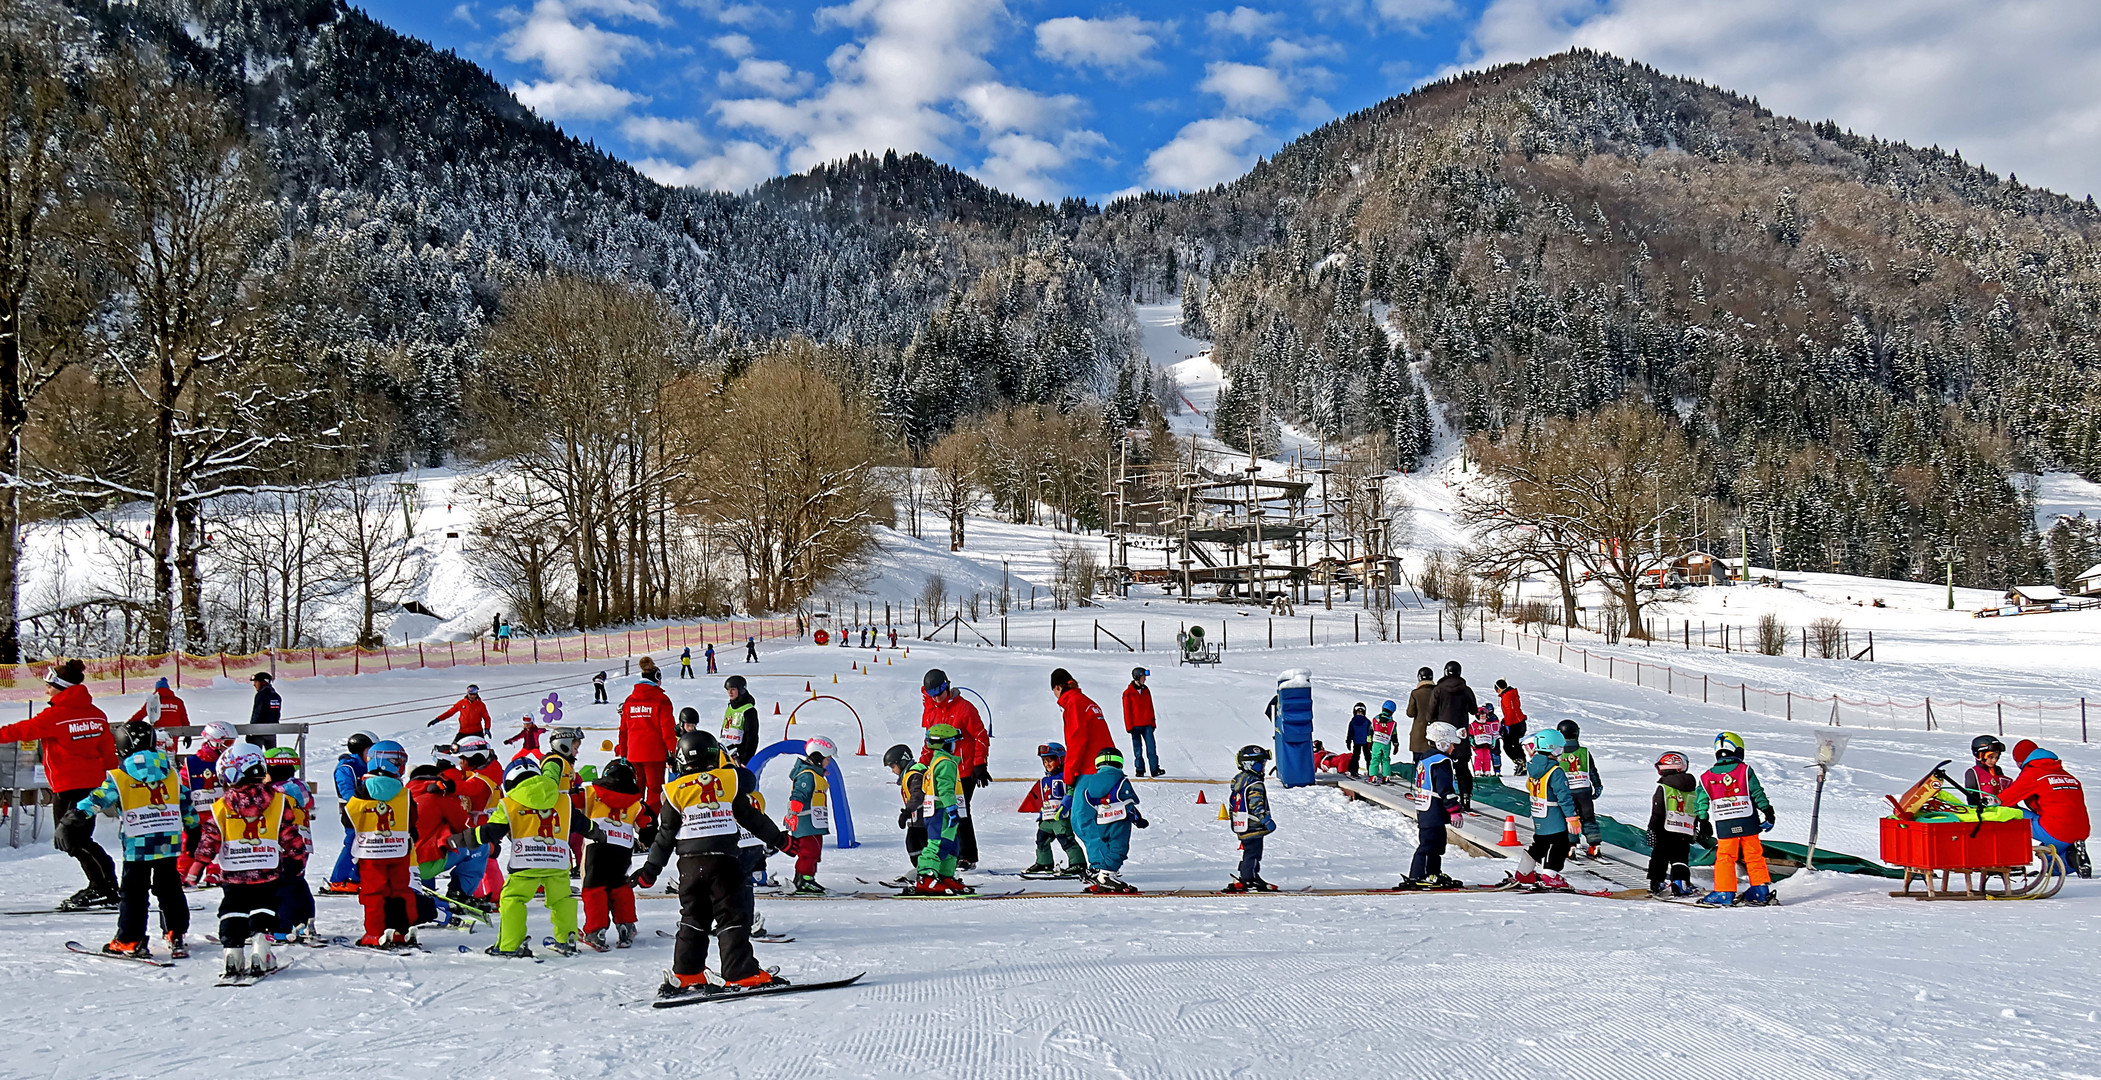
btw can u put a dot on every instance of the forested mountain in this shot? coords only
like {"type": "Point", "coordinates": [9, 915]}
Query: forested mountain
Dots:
{"type": "Point", "coordinates": [1864, 338]}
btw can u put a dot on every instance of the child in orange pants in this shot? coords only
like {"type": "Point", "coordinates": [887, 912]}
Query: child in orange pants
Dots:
{"type": "Point", "coordinates": [381, 817]}
{"type": "Point", "coordinates": [1731, 806]}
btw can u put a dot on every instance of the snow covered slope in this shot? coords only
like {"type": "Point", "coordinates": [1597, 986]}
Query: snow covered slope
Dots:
{"type": "Point", "coordinates": [1843, 981]}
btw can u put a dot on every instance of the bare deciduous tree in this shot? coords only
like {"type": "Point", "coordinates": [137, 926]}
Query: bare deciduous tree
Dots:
{"type": "Point", "coordinates": [952, 479]}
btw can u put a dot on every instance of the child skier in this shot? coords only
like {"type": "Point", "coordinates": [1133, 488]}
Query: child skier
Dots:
{"type": "Point", "coordinates": [253, 834]}
{"type": "Point", "coordinates": [1357, 739]}
{"type": "Point", "coordinates": [1248, 807]}
{"type": "Point", "coordinates": [153, 811]}
{"type": "Point", "coordinates": [1484, 732]}
{"type": "Point", "coordinates": [809, 818]}
{"type": "Point", "coordinates": [528, 736]}
{"type": "Point", "coordinates": [598, 689]}
{"type": "Point", "coordinates": [1552, 809]}
{"type": "Point", "coordinates": [381, 817]}
{"type": "Point", "coordinates": [537, 819]}
{"type": "Point", "coordinates": [1436, 799]}
{"type": "Point", "coordinates": [613, 805]}
{"type": "Point", "coordinates": [350, 765]}
{"type": "Point", "coordinates": [1671, 829]}
{"type": "Point", "coordinates": [1584, 783]}
{"type": "Point", "coordinates": [479, 792]}
{"type": "Point", "coordinates": [1985, 777]}
{"type": "Point", "coordinates": [559, 763]}
{"type": "Point", "coordinates": [441, 821]}
{"type": "Point", "coordinates": [200, 773]}
{"type": "Point", "coordinates": [912, 790]}
{"type": "Point", "coordinates": [1104, 808]}
{"type": "Point", "coordinates": [1046, 800]}
{"type": "Point", "coordinates": [1383, 727]}
{"type": "Point", "coordinates": [943, 785]}
{"type": "Point", "coordinates": [295, 898]}
{"type": "Point", "coordinates": [1730, 803]}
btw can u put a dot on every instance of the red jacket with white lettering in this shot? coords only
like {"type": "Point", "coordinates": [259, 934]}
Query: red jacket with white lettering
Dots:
{"type": "Point", "coordinates": [77, 747]}
{"type": "Point", "coordinates": [2059, 801]}
{"type": "Point", "coordinates": [165, 708]}
{"type": "Point", "coordinates": [646, 732]}
{"type": "Point", "coordinates": [1086, 733]}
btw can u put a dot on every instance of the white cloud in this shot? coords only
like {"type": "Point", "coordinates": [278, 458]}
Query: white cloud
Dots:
{"type": "Point", "coordinates": [734, 14]}
{"type": "Point", "coordinates": [1401, 14]}
{"type": "Point", "coordinates": [573, 52]}
{"type": "Point", "coordinates": [734, 46]}
{"type": "Point", "coordinates": [581, 99]}
{"type": "Point", "coordinates": [2014, 85]}
{"type": "Point", "coordinates": [737, 167]}
{"type": "Point", "coordinates": [1204, 153]}
{"type": "Point", "coordinates": [999, 107]}
{"type": "Point", "coordinates": [1113, 44]}
{"type": "Point", "coordinates": [658, 132]}
{"type": "Point", "coordinates": [465, 13]}
{"type": "Point", "coordinates": [638, 10]}
{"type": "Point", "coordinates": [1242, 22]}
{"type": "Point", "coordinates": [769, 77]}
{"type": "Point", "coordinates": [1246, 88]}
{"type": "Point", "coordinates": [1022, 164]}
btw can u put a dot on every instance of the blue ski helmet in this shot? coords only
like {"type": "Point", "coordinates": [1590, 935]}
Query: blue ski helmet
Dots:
{"type": "Point", "coordinates": [1387, 707]}
{"type": "Point", "coordinates": [1549, 741]}
{"type": "Point", "coordinates": [387, 758]}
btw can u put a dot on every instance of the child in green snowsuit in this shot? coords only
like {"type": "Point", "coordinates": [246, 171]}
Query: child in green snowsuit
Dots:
{"type": "Point", "coordinates": [937, 860]}
{"type": "Point", "coordinates": [1382, 733]}
{"type": "Point", "coordinates": [535, 815]}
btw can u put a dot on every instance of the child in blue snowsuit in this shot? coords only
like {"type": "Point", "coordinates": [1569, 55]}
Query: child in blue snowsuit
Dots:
{"type": "Point", "coordinates": [1047, 801]}
{"type": "Point", "coordinates": [1436, 799]}
{"type": "Point", "coordinates": [1103, 808]}
{"type": "Point", "coordinates": [1248, 806]}
{"type": "Point", "coordinates": [350, 768]}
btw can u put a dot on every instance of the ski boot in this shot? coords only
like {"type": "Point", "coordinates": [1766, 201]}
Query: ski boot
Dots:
{"type": "Point", "coordinates": [927, 885]}
{"type": "Point", "coordinates": [262, 960]}
{"type": "Point", "coordinates": [1105, 882]}
{"type": "Point", "coordinates": [955, 887]}
{"type": "Point", "coordinates": [522, 952]}
{"type": "Point", "coordinates": [1041, 868]}
{"type": "Point", "coordinates": [1550, 881]}
{"type": "Point", "coordinates": [758, 924]}
{"type": "Point", "coordinates": [1260, 885]}
{"type": "Point", "coordinates": [1526, 880]}
{"type": "Point", "coordinates": [624, 936]}
{"type": "Point", "coordinates": [1446, 881]}
{"type": "Point", "coordinates": [1682, 888]}
{"type": "Point", "coordinates": [1237, 886]}
{"type": "Point", "coordinates": [176, 948]}
{"type": "Point", "coordinates": [1416, 885]}
{"type": "Point", "coordinates": [1591, 851]}
{"type": "Point", "coordinates": [339, 888]}
{"type": "Point", "coordinates": [1718, 898]}
{"type": "Point", "coordinates": [1758, 896]}
{"type": "Point", "coordinates": [1658, 890]}
{"type": "Point", "coordinates": [755, 981]}
{"type": "Point", "coordinates": [565, 948]}
{"type": "Point", "coordinates": [2081, 865]}
{"type": "Point", "coordinates": [88, 899]}
{"type": "Point", "coordinates": [232, 964]}
{"type": "Point", "coordinates": [593, 940]}
{"type": "Point", "coordinates": [136, 950]}
{"type": "Point", "coordinates": [807, 886]}
{"type": "Point", "coordinates": [1075, 871]}
{"type": "Point", "coordinates": [962, 864]}
{"type": "Point", "coordinates": [676, 985]}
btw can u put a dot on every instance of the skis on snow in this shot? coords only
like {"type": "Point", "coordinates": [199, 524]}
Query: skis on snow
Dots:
{"type": "Point", "coordinates": [150, 961]}
{"type": "Point", "coordinates": [251, 980]}
{"type": "Point", "coordinates": [713, 992]}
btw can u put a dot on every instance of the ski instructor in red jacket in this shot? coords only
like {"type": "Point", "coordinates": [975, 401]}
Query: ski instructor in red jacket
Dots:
{"type": "Point", "coordinates": [78, 750]}
{"type": "Point", "coordinates": [647, 736]}
{"type": "Point", "coordinates": [1086, 732]}
{"type": "Point", "coordinates": [944, 704]}
{"type": "Point", "coordinates": [2051, 797]}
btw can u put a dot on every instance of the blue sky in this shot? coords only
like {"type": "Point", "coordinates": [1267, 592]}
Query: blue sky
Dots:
{"type": "Point", "coordinates": [1047, 98]}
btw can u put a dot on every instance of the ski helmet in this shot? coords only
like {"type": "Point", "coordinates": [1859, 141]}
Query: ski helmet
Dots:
{"type": "Point", "coordinates": [1442, 735]}
{"type": "Point", "coordinates": [1569, 730]}
{"type": "Point", "coordinates": [1138, 673]}
{"type": "Point", "coordinates": [1673, 761]}
{"type": "Point", "coordinates": [519, 771]}
{"type": "Point", "coordinates": [1111, 757]}
{"type": "Point", "coordinates": [356, 744]}
{"type": "Point", "coordinates": [1978, 745]}
{"type": "Point", "coordinates": [475, 751]}
{"type": "Point", "coordinates": [898, 757]}
{"type": "Point", "coordinates": [1051, 750]}
{"type": "Point", "coordinates": [618, 773]}
{"type": "Point", "coordinates": [1501, 686]}
{"type": "Point", "coordinates": [1357, 708]}
{"type": "Point", "coordinates": [697, 750]}
{"type": "Point", "coordinates": [1388, 707]}
{"type": "Point", "coordinates": [819, 746]}
{"type": "Point", "coordinates": [445, 754]}
{"type": "Point", "coordinates": [566, 740]}
{"type": "Point", "coordinates": [943, 737]}
{"type": "Point", "coordinates": [1549, 742]}
{"type": "Point", "coordinates": [1529, 744]}
{"type": "Point", "coordinates": [242, 763]}
{"type": "Point", "coordinates": [282, 761]}
{"type": "Point", "coordinates": [473, 690]}
{"type": "Point", "coordinates": [387, 758]}
{"type": "Point", "coordinates": [1728, 744]}
{"type": "Point", "coordinates": [1423, 674]}
{"type": "Point", "coordinates": [1486, 711]}
{"type": "Point", "coordinates": [135, 736]}
{"type": "Point", "coordinates": [734, 682]}
{"type": "Point", "coordinates": [1451, 667]}
{"type": "Point", "coordinates": [219, 733]}
{"type": "Point", "coordinates": [1252, 757]}
{"type": "Point", "coordinates": [688, 718]}
{"type": "Point", "coordinates": [934, 683]}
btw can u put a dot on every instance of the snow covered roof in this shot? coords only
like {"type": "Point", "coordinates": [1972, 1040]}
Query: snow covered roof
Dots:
{"type": "Point", "coordinates": [2036, 594]}
{"type": "Point", "coordinates": [2092, 572]}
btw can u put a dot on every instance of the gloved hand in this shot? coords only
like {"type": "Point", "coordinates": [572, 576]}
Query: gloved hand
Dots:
{"type": "Point", "coordinates": [1455, 816]}
{"type": "Point", "coordinates": [904, 819]}
{"type": "Point", "coordinates": [642, 879]}
{"type": "Point", "coordinates": [1648, 836]}
{"type": "Point", "coordinates": [788, 823]}
{"type": "Point", "coordinates": [1139, 821]}
{"type": "Point", "coordinates": [434, 723]}
{"type": "Point", "coordinates": [1767, 826]}
{"type": "Point", "coordinates": [981, 776]}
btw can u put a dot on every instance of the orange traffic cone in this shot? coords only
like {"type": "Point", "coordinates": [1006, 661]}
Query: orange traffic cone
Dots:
{"type": "Point", "coordinates": [806, 687]}
{"type": "Point", "coordinates": [776, 708]}
{"type": "Point", "coordinates": [1200, 796]}
{"type": "Point", "coordinates": [1509, 832]}
{"type": "Point", "coordinates": [855, 666]}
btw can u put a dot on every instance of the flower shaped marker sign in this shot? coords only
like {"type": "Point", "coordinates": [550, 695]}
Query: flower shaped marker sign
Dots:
{"type": "Point", "coordinates": [551, 710]}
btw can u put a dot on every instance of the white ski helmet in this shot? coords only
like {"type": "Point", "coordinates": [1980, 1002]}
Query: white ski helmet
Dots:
{"type": "Point", "coordinates": [819, 745]}
{"type": "Point", "coordinates": [239, 761]}
{"type": "Point", "coordinates": [1442, 735]}
{"type": "Point", "coordinates": [475, 746]}
{"type": "Point", "coordinates": [220, 732]}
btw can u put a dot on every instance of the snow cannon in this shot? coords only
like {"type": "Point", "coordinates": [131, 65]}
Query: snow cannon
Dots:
{"type": "Point", "coordinates": [1292, 712]}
